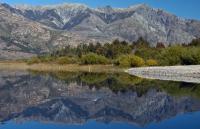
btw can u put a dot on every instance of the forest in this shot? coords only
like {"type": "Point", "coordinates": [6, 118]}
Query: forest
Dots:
{"type": "Point", "coordinates": [124, 54]}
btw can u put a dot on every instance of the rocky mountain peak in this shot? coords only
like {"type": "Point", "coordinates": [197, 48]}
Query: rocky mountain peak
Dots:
{"type": "Point", "coordinates": [65, 6]}
{"type": "Point", "coordinates": [139, 6]}
{"type": "Point", "coordinates": [8, 7]}
{"type": "Point", "coordinates": [5, 5]}
{"type": "Point", "coordinates": [106, 9]}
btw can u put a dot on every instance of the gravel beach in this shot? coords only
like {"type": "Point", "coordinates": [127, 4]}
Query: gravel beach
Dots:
{"type": "Point", "coordinates": [190, 73]}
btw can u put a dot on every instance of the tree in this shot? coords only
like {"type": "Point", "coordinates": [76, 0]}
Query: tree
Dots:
{"type": "Point", "coordinates": [91, 47]}
{"type": "Point", "coordinates": [160, 45]}
{"type": "Point", "coordinates": [195, 42]}
{"type": "Point", "coordinates": [116, 42]}
{"type": "Point", "coordinates": [142, 43]}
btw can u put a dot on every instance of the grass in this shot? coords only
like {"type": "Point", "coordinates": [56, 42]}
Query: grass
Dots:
{"type": "Point", "coordinates": [15, 65]}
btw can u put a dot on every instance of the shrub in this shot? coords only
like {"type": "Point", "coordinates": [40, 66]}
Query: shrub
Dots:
{"type": "Point", "coordinates": [180, 55]}
{"type": "Point", "coordinates": [172, 55]}
{"type": "Point", "coordinates": [191, 56]}
{"type": "Point", "coordinates": [123, 61]}
{"type": "Point", "coordinates": [130, 61]}
{"type": "Point", "coordinates": [136, 61]}
{"type": "Point", "coordinates": [149, 53]}
{"type": "Point", "coordinates": [151, 62]}
{"type": "Point", "coordinates": [33, 60]}
{"type": "Point", "coordinates": [66, 60]}
{"type": "Point", "coordinates": [92, 58]}
{"type": "Point", "coordinates": [46, 59]}
{"type": "Point", "coordinates": [195, 42]}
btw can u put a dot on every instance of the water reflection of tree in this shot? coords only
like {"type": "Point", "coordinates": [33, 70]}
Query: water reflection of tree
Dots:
{"type": "Point", "coordinates": [122, 82]}
{"type": "Point", "coordinates": [174, 88]}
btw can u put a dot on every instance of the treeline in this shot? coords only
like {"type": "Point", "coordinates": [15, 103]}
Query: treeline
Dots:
{"type": "Point", "coordinates": [125, 54]}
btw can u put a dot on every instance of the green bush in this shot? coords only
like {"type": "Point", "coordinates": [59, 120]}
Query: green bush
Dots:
{"type": "Point", "coordinates": [129, 61]}
{"type": "Point", "coordinates": [149, 53]}
{"type": "Point", "coordinates": [46, 59]}
{"type": "Point", "coordinates": [92, 58]}
{"type": "Point", "coordinates": [171, 55]}
{"type": "Point", "coordinates": [66, 60]}
{"type": "Point", "coordinates": [123, 61]}
{"type": "Point", "coordinates": [191, 56]}
{"type": "Point", "coordinates": [33, 60]}
{"type": "Point", "coordinates": [180, 55]}
{"type": "Point", "coordinates": [136, 61]}
{"type": "Point", "coordinates": [151, 62]}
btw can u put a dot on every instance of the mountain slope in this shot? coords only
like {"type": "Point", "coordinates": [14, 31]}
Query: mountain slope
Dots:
{"type": "Point", "coordinates": [29, 30]}
{"type": "Point", "coordinates": [155, 25]}
{"type": "Point", "coordinates": [21, 37]}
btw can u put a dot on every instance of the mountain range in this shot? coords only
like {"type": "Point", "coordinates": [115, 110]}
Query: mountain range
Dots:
{"type": "Point", "coordinates": [27, 30]}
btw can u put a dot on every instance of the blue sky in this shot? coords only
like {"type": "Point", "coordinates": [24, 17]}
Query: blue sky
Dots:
{"type": "Point", "coordinates": [182, 8]}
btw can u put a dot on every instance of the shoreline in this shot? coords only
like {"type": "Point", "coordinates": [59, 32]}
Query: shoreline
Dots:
{"type": "Point", "coordinates": [190, 73]}
{"type": "Point", "coordinates": [56, 67]}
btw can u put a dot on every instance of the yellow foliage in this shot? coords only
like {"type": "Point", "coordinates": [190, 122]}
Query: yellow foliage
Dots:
{"type": "Point", "coordinates": [151, 62]}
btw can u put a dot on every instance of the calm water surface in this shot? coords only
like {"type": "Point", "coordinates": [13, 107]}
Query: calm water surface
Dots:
{"type": "Point", "coordinates": [61, 100]}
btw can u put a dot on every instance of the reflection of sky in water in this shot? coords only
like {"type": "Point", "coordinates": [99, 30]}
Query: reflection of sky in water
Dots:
{"type": "Point", "coordinates": [187, 121]}
{"type": "Point", "coordinates": [96, 101]}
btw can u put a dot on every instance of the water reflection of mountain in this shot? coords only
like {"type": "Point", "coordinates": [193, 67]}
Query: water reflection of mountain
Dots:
{"type": "Point", "coordinates": [76, 98]}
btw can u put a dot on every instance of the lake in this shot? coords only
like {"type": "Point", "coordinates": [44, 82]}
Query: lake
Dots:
{"type": "Point", "coordinates": [60, 100]}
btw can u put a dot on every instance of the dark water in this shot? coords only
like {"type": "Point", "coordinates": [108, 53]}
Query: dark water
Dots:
{"type": "Point", "coordinates": [61, 100]}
